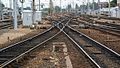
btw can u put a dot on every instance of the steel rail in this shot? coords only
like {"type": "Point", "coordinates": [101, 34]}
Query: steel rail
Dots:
{"type": "Point", "coordinates": [7, 25]}
{"type": "Point", "coordinates": [104, 29]}
{"type": "Point", "coordinates": [25, 39]}
{"type": "Point", "coordinates": [101, 45]}
{"type": "Point", "coordinates": [84, 52]}
{"type": "Point", "coordinates": [29, 50]}
{"type": "Point", "coordinates": [97, 44]}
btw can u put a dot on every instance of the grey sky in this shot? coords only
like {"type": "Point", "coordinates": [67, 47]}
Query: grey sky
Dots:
{"type": "Point", "coordinates": [56, 2]}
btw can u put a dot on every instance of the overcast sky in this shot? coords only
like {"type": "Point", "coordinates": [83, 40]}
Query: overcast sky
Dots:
{"type": "Point", "coordinates": [55, 2]}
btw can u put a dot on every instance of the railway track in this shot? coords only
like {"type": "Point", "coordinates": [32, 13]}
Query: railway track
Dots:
{"type": "Point", "coordinates": [112, 26]}
{"type": "Point", "coordinates": [100, 55]}
{"type": "Point", "coordinates": [20, 49]}
{"type": "Point", "coordinates": [103, 28]}
{"type": "Point", "coordinates": [16, 51]}
{"type": "Point", "coordinates": [8, 25]}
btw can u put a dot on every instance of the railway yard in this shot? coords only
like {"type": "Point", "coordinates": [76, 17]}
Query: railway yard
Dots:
{"type": "Point", "coordinates": [66, 41]}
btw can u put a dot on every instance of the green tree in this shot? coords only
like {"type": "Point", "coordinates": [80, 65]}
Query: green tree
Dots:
{"type": "Point", "coordinates": [69, 7]}
{"type": "Point", "coordinates": [1, 8]}
{"type": "Point", "coordinates": [113, 3]}
{"type": "Point", "coordinates": [76, 6]}
{"type": "Point", "coordinates": [57, 9]}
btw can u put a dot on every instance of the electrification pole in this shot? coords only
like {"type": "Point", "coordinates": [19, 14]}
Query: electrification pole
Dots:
{"type": "Point", "coordinates": [83, 7]}
{"type": "Point", "coordinates": [88, 6]}
{"type": "Point", "coordinates": [99, 12]}
{"type": "Point", "coordinates": [60, 6]}
{"type": "Point", "coordinates": [33, 11]}
{"type": "Point", "coordinates": [93, 6]}
{"type": "Point", "coordinates": [109, 8]}
{"type": "Point", "coordinates": [39, 5]}
{"type": "Point", "coordinates": [10, 2]}
{"type": "Point", "coordinates": [51, 7]}
{"type": "Point", "coordinates": [1, 9]}
{"type": "Point", "coordinates": [15, 14]}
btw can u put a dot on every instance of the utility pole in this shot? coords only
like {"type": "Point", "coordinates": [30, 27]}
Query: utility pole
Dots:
{"type": "Point", "coordinates": [83, 7]}
{"type": "Point", "coordinates": [60, 6]}
{"type": "Point", "coordinates": [10, 2]}
{"type": "Point", "coordinates": [109, 8]}
{"type": "Point", "coordinates": [88, 6]}
{"type": "Point", "coordinates": [15, 14]}
{"type": "Point", "coordinates": [0, 10]}
{"type": "Point", "coordinates": [33, 11]}
{"type": "Point", "coordinates": [93, 7]}
{"type": "Point", "coordinates": [39, 5]}
{"type": "Point", "coordinates": [51, 7]}
{"type": "Point", "coordinates": [99, 12]}
{"type": "Point", "coordinates": [73, 6]}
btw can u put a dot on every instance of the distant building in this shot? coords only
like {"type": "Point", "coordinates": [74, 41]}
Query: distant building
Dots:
{"type": "Point", "coordinates": [103, 4]}
{"type": "Point", "coordinates": [114, 11]}
{"type": "Point", "coordinates": [118, 3]}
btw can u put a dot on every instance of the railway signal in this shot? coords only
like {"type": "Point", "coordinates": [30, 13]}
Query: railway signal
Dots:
{"type": "Point", "coordinates": [22, 1]}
